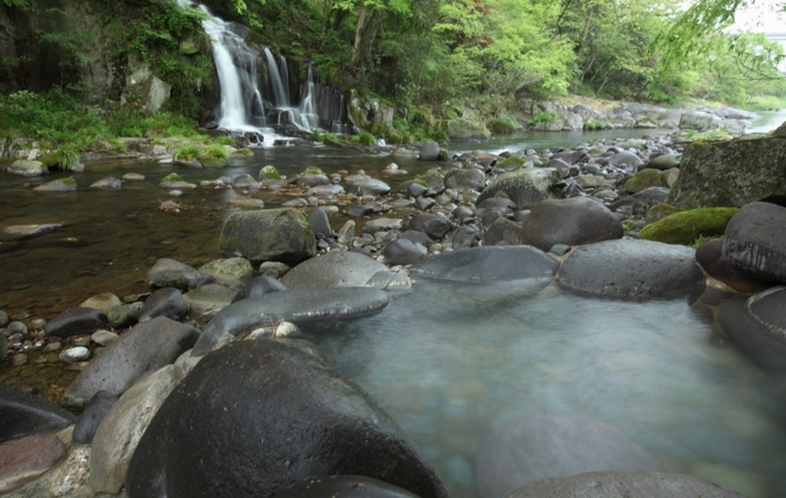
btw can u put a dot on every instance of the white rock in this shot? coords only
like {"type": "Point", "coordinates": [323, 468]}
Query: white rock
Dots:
{"type": "Point", "coordinates": [74, 355]}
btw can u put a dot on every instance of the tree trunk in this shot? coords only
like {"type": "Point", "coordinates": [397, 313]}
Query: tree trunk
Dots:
{"type": "Point", "coordinates": [364, 15]}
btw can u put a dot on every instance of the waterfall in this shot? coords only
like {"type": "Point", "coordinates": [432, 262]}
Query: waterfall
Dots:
{"type": "Point", "coordinates": [246, 106]}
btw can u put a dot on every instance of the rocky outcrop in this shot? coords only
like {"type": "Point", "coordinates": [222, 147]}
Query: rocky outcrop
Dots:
{"type": "Point", "coordinates": [731, 173]}
{"type": "Point", "coordinates": [268, 235]}
{"type": "Point", "coordinates": [754, 242]}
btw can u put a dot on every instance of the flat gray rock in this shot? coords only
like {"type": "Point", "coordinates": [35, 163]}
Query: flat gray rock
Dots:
{"type": "Point", "coordinates": [489, 265]}
{"type": "Point", "coordinates": [528, 447]}
{"type": "Point", "coordinates": [143, 349]}
{"type": "Point", "coordinates": [296, 306]}
{"type": "Point", "coordinates": [21, 232]}
{"type": "Point", "coordinates": [624, 485]}
{"type": "Point", "coordinates": [334, 269]}
{"type": "Point", "coordinates": [633, 269]}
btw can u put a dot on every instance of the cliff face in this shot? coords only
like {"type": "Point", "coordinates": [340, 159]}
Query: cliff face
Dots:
{"type": "Point", "coordinates": [90, 48]}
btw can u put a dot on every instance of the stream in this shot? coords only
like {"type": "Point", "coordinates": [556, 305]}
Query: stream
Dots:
{"type": "Point", "coordinates": [447, 361]}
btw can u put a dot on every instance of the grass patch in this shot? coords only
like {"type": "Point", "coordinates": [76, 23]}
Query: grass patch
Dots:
{"type": "Point", "coordinates": [188, 152]}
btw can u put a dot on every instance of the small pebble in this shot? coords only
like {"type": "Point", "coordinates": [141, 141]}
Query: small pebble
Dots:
{"type": "Point", "coordinates": [18, 360]}
{"type": "Point", "coordinates": [73, 355]}
{"type": "Point", "coordinates": [52, 347]}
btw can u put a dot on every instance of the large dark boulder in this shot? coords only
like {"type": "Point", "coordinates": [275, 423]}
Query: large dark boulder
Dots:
{"type": "Point", "coordinates": [258, 417]}
{"type": "Point", "coordinates": [143, 349]}
{"type": "Point", "coordinates": [623, 485]}
{"type": "Point", "coordinates": [23, 414]}
{"type": "Point", "coordinates": [754, 242]}
{"type": "Point", "coordinates": [489, 265]}
{"type": "Point", "coordinates": [268, 235]}
{"type": "Point", "coordinates": [345, 487]}
{"type": "Point", "coordinates": [574, 221]}
{"type": "Point", "coordinates": [634, 269]}
{"type": "Point", "coordinates": [730, 173]}
{"type": "Point", "coordinates": [525, 448]}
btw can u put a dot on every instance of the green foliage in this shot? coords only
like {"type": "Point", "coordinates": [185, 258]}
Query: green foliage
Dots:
{"type": "Point", "coordinates": [216, 151]}
{"type": "Point", "coordinates": [502, 125]}
{"type": "Point", "coordinates": [223, 140]}
{"type": "Point", "coordinates": [364, 138]}
{"type": "Point", "coordinates": [67, 156]}
{"type": "Point", "coordinates": [717, 134]}
{"type": "Point", "coordinates": [543, 117]}
{"type": "Point", "coordinates": [187, 152]}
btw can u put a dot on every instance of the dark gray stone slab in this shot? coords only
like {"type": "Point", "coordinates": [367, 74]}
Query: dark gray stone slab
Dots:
{"type": "Point", "coordinates": [754, 242]}
{"type": "Point", "coordinates": [257, 417]}
{"type": "Point", "coordinates": [489, 265]}
{"type": "Point", "coordinates": [23, 414]}
{"type": "Point", "coordinates": [143, 349]}
{"type": "Point", "coordinates": [632, 269]}
{"type": "Point", "coordinates": [76, 321]}
{"type": "Point", "coordinates": [296, 306]}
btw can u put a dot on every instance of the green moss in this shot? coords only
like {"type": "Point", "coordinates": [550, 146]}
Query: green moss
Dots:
{"type": "Point", "coordinates": [172, 177]}
{"type": "Point", "coordinates": [269, 172]}
{"type": "Point", "coordinates": [312, 170]}
{"type": "Point", "coordinates": [510, 163]}
{"type": "Point", "coordinates": [686, 227]}
{"type": "Point", "coordinates": [69, 181]}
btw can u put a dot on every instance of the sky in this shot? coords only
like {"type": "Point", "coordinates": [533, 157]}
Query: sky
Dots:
{"type": "Point", "coordinates": [762, 16]}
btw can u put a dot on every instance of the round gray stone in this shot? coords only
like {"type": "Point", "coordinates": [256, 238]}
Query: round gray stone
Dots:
{"type": "Point", "coordinates": [334, 269]}
{"type": "Point", "coordinates": [489, 265]}
{"type": "Point", "coordinates": [633, 269]}
{"type": "Point", "coordinates": [574, 221]}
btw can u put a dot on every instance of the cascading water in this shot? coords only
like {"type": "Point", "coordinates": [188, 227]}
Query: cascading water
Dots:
{"type": "Point", "coordinates": [244, 106]}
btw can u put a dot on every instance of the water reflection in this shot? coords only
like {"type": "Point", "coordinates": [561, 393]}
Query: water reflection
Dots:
{"type": "Point", "coordinates": [447, 360]}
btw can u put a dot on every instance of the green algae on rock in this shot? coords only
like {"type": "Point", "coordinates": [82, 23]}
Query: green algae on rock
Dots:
{"type": "Point", "coordinates": [687, 226]}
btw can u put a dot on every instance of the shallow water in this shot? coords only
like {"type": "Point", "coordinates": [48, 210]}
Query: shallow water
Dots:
{"type": "Point", "coordinates": [447, 360]}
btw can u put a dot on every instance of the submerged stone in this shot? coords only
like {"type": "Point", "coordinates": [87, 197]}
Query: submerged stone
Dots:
{"type": "Point", "coordinates": [296, 306]}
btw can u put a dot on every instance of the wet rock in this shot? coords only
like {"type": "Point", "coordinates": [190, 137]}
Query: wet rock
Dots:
{"type": "Point", "coordinates": [297, 306]}
{"type": "Point", "coordinates": [625, 158]}
{"type": "Point", "coordinates": [312, 180]}
{"type": "Point", "coordinates": [124, 315]}
{"type": "Point", "coordinates": [525, 186]}
{"type": "Point", "coordinates": [429, 151]}
{"type": "Point", "coordinates": [404, 252]}
{"type": "Point", "coordinates": [665, 162]}
{"type": "Point", "coordinates": [229, 271]}
{"type": "Point", "coordinates": [524, 448]}
{"type": "Point", "coordinates": [23, 167]}
{"type": "Point", "coordinates": [434, 225]}
{"type": "Point", "coordinates": [76, 321]}
{"type": "Point", "coordinates": [631, 269]}
{"type": "Point", "coordinates": [3, 347]}
{"type": "Point", "coordinates": [18, 360]}
{"type": "Point", "coordinates": [415, 189]}
{"type": "Point", "coordinates": [133, 177]}
{"type": "Point", "coordinates": [250, 441]}
{"type": "Point", "coordinates": [103, 337]}
{"type": "Point", "coordinates": [170, 273]}
{"type": "Point", "coordinates": [647, 197]}
{"type": "Point", "coordinates": [389, 280]}
{"type": "Point", "coordinates": [623, 485]}
{"type": "Point", "coordinates": [345, 487]}
{"type": "Point", "coordinates": [92, 416]}
{"type": "Point", "coordinates": [466, 179]}
{"type": "Point", "coordinates": [4, 319]}
{"type": "Point", "coordinates": [574, 221]}
{"type": "Point", "coordinates": [167, 302]}
{"type": "Point", "coordinates": [23, 414]}
{"type": "Point", "coordinates": [104, 302]}
{"type": "Point", "coordinates": [119, 434]}
{"type": "Point", "coordinates": [644, 179]}
{"type": "Point", "coordinates": [74, 355]}
{"type": "Point", "coordinates": [259, 286]}
{"type": "Point", "coordinates": [26, 459]}
{"type": "Point", "coordinates": [143, 349]}
{"type": "Point", "coordinates": [208, 300]}
{"type": "Point", "coordinates": [334, 269]}
{"type": "Point", "coordinates": [710, 257]}
{"type": "Point", "coordinates": [502, 232]}
{"type": "Point", "coordinates": [107, 184]}
{"type": "Point", "coordinates": [754, 242]}
{"type": "Point", "coordinates": [61, 185]}
{"type": "Point", "coordinates": [369, 186]}
{"type": "Point", "coordinates": [244, 181]}
{"type": "Point", "coordinates": [268, 235]}
{"type": "Point", "coordinates": [489, 265]}
{"type": "Point", "coordinates": [320, 224]}
{"type": "Point", "coordinates": [22, 232]}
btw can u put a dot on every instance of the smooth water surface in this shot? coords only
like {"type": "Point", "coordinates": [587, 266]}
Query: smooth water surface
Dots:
{"type": "Point", "coordinates": [447, 360]}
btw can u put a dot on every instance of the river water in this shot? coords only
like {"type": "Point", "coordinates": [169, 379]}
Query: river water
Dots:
{"type": "Point", "coordinates": [447, 361]}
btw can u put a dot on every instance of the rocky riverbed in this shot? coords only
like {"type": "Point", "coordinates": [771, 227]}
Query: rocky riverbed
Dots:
{"type": "Point", "coordinates": [171, 396]}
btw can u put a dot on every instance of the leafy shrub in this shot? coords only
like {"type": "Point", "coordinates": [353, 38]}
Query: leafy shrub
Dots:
{"type": "Point", "coordinates": [364, 138]}
{"type": "Point", "coordinates": [188, 152]}
{"type": "Point", "coordinates": [543, 117]}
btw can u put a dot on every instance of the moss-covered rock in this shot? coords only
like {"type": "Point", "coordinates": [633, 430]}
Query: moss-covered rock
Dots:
{"type": "Point", "coordinates": [644, 179]}
{"type": "Point", "coordinates": [687, 226]}
{"type": "Point", "coordinates": [525, 186]}
{"type": "Point", "coordinates": [172, 177]}
{"type": "Point", "coordinates": [466, 128]}
{"type": "Point", "coordinates": [268, 235]}
{"type": "Point", "coordinates": [510, 163]}
{"type": "Point", "coordinates": [269, 172]}
{"type": "Point", "coordinates": [730, 173]}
